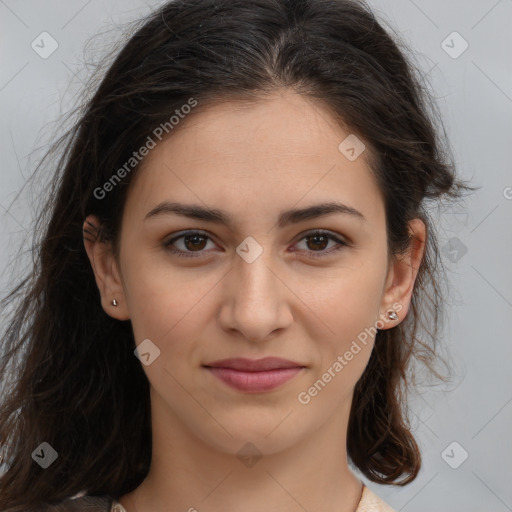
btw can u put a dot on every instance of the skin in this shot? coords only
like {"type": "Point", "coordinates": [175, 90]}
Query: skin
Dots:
{"type": "Point", "coordinates": [253, 161]}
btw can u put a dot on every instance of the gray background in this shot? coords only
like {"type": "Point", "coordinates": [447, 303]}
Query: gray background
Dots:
{"type": "Point", "coordinates": [474, 93]}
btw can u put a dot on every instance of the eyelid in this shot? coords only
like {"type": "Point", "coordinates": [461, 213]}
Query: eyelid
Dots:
{"type": "Point", "coordinates": [168, 243]}
{"type": "Point", "coordinates": [340, 241]}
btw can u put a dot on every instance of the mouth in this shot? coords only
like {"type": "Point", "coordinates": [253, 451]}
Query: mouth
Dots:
{"type": "Point", "coordinates": [254, 375]}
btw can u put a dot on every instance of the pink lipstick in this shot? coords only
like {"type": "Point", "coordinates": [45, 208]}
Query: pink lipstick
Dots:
{"type": "Point", "coordinates": [254, 376]}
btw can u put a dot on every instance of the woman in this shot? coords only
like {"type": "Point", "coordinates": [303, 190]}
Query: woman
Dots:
{"type": "Point", "coordinates": [234, 272]}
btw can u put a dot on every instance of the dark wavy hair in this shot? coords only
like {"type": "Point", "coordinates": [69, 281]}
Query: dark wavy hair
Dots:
{"type": "Point", "coordinates": [68, 369]}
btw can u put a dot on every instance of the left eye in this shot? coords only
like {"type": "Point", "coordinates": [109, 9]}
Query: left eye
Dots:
{"type": "Point", "coordinates": [318, 240]}
{"type": "Point", "coordinates": [195, 241]}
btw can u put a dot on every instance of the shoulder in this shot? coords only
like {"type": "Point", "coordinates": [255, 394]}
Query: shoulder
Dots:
{"type": "Point", "coordinates": [370, 502]}
{"type": "Point", "coordinates": [80, 504]}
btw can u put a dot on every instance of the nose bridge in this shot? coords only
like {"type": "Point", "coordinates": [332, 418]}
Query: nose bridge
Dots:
{"type": "Point", "coordinates": [256, 281]}
{"type": "Point", "coordinates": [255, 302]}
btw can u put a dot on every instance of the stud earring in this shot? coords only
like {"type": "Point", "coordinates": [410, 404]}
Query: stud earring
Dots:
{"type": "Point", "coordinates": [392, 315]}
{"type": "Point", "coordinates": [114, 303]}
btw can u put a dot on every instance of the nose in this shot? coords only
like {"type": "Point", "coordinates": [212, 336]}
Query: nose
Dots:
{"type": "Point", "coordinates": [256, 300]}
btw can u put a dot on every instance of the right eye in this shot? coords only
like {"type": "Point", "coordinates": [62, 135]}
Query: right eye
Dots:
{"type": "Point", "coordinates": [191, 242]}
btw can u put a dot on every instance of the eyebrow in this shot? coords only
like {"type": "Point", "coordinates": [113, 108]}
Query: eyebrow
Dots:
{"type": "Point", "coordinates": [285, 218]}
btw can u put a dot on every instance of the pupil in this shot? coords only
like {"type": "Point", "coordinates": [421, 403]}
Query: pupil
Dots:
{"type": "Point", "coordinates": [316, 237]}
{"type": "Point", "coordinates": [195, 242]}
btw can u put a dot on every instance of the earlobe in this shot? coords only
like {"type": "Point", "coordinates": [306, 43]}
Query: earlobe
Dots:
{"type": "Point", "coordinates": [106, 273]}
{"type": "Point", "coordinates": [403, 273]}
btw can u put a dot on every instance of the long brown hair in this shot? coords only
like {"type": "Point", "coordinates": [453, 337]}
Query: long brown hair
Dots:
{"type": "Point", "coordinates": [68, 369]}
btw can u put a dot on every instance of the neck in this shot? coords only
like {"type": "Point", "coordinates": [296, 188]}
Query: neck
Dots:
{"type": "Point", "coordinates": [188, 474]}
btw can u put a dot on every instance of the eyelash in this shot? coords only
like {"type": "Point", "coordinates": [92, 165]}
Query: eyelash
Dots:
{"type": "Point", "coordinates": [313, 254]}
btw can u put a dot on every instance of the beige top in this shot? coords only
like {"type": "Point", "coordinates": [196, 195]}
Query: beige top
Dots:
{"type": "Point", "coordinates": [370, 502]}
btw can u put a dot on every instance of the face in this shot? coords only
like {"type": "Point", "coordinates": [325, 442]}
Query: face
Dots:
{"type": "Point", "coordinates": [299, 287]}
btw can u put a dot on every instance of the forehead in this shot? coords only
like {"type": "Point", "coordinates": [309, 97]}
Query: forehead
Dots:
{"type": "Point", "coordinates": [257, 157]}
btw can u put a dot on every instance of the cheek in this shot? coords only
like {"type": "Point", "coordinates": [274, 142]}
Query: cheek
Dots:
{"type": "Point", "coordinates": [173, 310]}
{"type": "Point", "coordinates": [349, 313]}
{"type": "Point", "coordinates": [165, 311]}
{"type": "Point", "coordinates": [157, 295]}
{"type": "Point", "coordinates": [346, 310]}
{"type": "Point", "coordinates": [349, 301]}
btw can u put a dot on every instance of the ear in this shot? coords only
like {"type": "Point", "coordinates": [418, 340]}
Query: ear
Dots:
{"type": "Point", "coordinates": [402, 276]}
{"type": "Point", "coordinates": [105, 268]}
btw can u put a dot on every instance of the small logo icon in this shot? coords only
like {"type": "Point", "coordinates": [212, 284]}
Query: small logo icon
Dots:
{"type": "Point", "coordinates": [147, 352]}
{"type": "Point", "coordinates": [351, 147]}
{"type": "Point", "coordinates": [507, 192]}
{"type": "Point", "coordinates": [454, 249]}
{"type": "Point", "coordinates": [249, 454]}
{"type": "Point", "coordinates": [44, 455]}
{"type": "Point", "coordinates": [44, 45]}
{"type": "Point", "coordinates": [454, 45]}
{"type": "Point", "coordinates": [454, 455]}
{"type": "Point", "coordinates": [249, 249]}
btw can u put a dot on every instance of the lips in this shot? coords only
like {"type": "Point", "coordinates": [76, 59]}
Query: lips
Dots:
{"type": "Point", "coordinates": [254, 365]}
{"type": "Point", "coordinates": [254, 376]}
